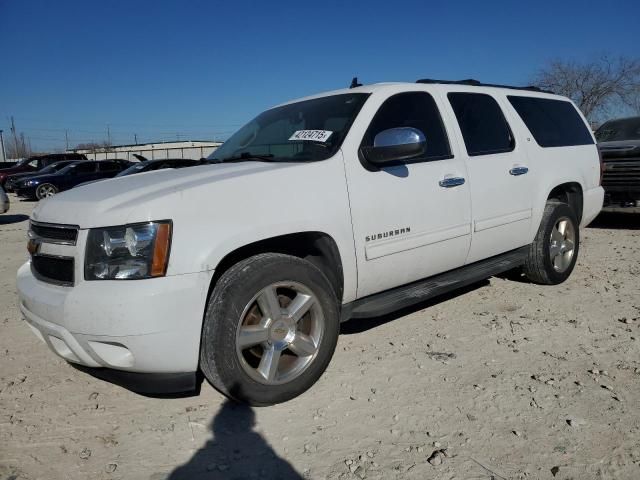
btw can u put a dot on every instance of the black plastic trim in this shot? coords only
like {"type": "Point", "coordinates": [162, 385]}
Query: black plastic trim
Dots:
{"type": "Point", "coordinates": [476, 83]}
{"type": "Point", "coordinates": [147, 383]}
{"type": "Point", "coordinates": [397, 298]}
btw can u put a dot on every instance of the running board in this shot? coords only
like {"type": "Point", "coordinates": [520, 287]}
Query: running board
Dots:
{"type": "Point", "coordinates": [397, 298]}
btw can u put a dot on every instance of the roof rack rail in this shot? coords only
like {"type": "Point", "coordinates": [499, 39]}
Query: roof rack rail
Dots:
{"type": "Point", "coordinates": [476, 83]}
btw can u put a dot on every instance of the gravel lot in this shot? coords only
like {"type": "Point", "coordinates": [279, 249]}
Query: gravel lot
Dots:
{"type": "Point", "coordinates": [504, 380]}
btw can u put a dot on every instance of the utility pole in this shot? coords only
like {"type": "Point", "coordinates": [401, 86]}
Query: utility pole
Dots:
{"type": "Point", "coordinates": [66, 140]}
{"type": "Point", "coordinates": [4, 154]}
{"type": "Point", "coordinates": [108, 135]}
{"type": "Point", "coordinates": [15, 137]}
{"type": "Point", "coordinates": [135, 138]}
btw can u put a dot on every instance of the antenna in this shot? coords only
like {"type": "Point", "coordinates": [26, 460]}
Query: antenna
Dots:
{"type": "Point", "coordinates": [354, 83]}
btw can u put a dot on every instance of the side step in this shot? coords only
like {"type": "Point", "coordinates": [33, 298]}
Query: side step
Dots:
{"type": "Point", "coordinates": [391, 300]}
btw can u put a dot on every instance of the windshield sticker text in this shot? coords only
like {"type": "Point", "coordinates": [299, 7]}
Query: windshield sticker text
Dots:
{"type": "Point", "coordinates": [311, 135]}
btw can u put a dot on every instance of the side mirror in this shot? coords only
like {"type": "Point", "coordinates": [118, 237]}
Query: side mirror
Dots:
{"type": "Point", "coordinates": [395, 145]}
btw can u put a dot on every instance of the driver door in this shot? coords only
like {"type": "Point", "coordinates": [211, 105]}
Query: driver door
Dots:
{"type": "Point", "coordinates": [411, 220]}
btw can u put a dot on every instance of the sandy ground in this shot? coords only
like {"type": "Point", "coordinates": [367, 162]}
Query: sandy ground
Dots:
{"type": "Point", "coordinates": [504, 380]}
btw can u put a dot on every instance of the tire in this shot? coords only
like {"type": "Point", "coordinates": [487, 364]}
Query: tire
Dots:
{"type": "Point", "coordinates": [46, 190]}
{"type": "Point", "coordinates": [230, 358]}
{"type": "Point", "coordinates": [551, 260]}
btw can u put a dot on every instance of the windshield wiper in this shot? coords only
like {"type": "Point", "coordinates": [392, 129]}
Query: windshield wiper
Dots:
{"type": "Point", "coordinates": [245, 156]}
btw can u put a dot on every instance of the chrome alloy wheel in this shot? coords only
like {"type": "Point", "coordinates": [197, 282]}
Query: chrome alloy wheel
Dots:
{"type": "Point", "coordinates": [563, 239]}
{"type": "Point", "coordinates": [279, 333]}
{"type": "Point", "coordinates": [46, 190]}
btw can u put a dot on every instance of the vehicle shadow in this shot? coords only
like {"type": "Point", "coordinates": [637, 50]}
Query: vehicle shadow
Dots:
{"type": "Point", "coordinates": [617, 220]}
{"type": "Point", "coordinates": [236, 451]}
{"type": "Point", "coordinates": [10, 219]}
{"type": "Point", "coordinates": [359, 325]}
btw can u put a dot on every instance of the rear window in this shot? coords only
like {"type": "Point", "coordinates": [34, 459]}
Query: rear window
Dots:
{"type": "Point", "coordinates": [553, 123]}
{"type": "Point", "coordinates": [482, 123]}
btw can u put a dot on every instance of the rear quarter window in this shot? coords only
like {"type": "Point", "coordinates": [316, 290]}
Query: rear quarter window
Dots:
{"type": "Point", "coordinates": [553, 123]}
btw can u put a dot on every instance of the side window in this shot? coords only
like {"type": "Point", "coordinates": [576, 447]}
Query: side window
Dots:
{"type": "Point", "coordinates": [417, 110]}
{"type": "Point", "coordinates": [85, 167]}
{"type": "Point", "coordinates": [484, 128]}
{"type": "Point", "coordinates": [553, 123]}
{"type": "Point", "coordinates": [106, 166]}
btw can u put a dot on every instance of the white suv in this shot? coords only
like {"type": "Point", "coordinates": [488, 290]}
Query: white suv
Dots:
{"type": "Point", "coordinates": [347, 204]}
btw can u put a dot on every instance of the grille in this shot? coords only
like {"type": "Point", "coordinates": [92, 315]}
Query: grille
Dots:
{"type": "Point", "coordinates": [53, 269]}
{"type": "Point", "coordinates": [65, 234]}
{"type": "Point", "coordinates": [621, 175]}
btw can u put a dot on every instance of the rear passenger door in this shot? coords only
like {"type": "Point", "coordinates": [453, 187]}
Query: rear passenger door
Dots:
{"type": "Point", "coordinates": [499, 175]}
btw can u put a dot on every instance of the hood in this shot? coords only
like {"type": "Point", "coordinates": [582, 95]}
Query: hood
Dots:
{"type": "Point", "coordinates": [20, 176]}
{"type": "Point", "coordinates": [47, 177]}
{"type": "Point", "coordinates": [620, 149]}
{"type": "Point", "coordinates": [154, 195]}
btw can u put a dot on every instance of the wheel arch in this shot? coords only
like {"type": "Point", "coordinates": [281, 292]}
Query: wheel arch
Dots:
{"type": "Point", "coordinates": [319, 248]}
{"type": "Point", "coordinates": [571, 194]}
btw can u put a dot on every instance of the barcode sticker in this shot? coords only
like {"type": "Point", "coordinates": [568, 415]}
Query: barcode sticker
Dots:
{"type": "Point", "coordinates": [311, 135]}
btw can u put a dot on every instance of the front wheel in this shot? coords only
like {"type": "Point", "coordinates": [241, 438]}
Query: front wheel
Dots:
{"type": "Point", "coordinates": [46, 190]}
{"type": "Point", "coordinates": [270, 329]}
{"type": "Point", "coordinates": [554, 251]}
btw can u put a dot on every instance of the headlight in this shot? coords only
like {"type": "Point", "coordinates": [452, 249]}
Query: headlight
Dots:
{"type": "Point", "coordinates": [128, 252]}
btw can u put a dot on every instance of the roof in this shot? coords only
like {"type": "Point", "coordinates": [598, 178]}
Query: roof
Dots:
{"type": "Point", "coordinates": [467, 85]}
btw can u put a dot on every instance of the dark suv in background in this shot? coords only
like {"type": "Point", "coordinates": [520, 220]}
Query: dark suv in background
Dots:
{"type": "Point", "coordinates": [42, 186]}
{"type": "Point", "coordinates": [619, 144]}
{"type": "Point", "coordinates": [33, 164]}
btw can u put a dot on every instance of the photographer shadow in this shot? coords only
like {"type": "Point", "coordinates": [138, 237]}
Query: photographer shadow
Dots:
{"type": "Point", "coordinates": [236, 451]}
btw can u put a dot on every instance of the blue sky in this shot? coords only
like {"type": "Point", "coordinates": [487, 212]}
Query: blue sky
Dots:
{"type": "Point", "coordinates": [199, 69]}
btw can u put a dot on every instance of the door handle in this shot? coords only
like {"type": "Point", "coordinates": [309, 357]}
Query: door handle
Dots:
{"type": "Point", "coordinates": [518, 170]}
{"type": "Point", "coordinates": [448, 182]}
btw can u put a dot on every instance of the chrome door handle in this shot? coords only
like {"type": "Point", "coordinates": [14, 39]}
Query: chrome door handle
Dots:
{"type": "Point", "coordinates": [448, 182]}
{"type": "Point", "coordinates": [515, 171]}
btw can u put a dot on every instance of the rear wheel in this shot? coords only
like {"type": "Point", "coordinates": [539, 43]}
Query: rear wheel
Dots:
{"type": "Point", "coordinates": [553, 253]}
{"type": "Point", "coordinates": [46, 190]}
{"type": "Point", "coordinates": [270, 329]}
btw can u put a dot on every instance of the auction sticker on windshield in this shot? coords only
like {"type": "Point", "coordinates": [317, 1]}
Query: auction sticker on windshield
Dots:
{"type": "Point", "coordinates": [311, 135]}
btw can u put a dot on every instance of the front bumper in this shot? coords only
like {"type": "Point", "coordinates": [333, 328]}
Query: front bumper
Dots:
{"type": "Point", "coordinates": [25, 192]}
{"type": "Point", "coordinates": [149, 326]}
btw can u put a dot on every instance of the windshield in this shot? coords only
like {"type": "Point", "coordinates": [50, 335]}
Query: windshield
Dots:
{"type": "Point", "coordinates": [615, 130]}
{"type": "Point", "coordinates": [54, 167]}
{"type": "Point", "coordinates": [302, 131]}
{"type": "Point", "coordinates": [30, 161]}
{"type": "Point", "coordinates": [69, 168]}
{"type": "Point", "coordinates": [132, 169]}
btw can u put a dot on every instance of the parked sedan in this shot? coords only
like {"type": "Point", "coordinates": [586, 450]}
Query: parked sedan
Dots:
{"type": "Point", "coordinates": [151, 165]}
{"type": "Point", "coordinates": [14, 179]}
{"type": "Point", "coordinates": [4, 201]}
{"type": "Point", "coordinates": [33, 164]}
{"type": "Point", "coordinates": [43, 186]}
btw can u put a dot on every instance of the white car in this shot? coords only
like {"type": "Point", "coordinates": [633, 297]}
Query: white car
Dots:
{"type": "Point", "coordinates": [4, 201]}
{"type": "Point", "coordinates": [346, 204]}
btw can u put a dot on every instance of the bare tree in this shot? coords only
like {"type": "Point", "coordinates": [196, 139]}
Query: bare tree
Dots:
{"type": "Point", "coordinates": [18, 147]}
{"type": "Point", "coordinates": [601, 88]}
